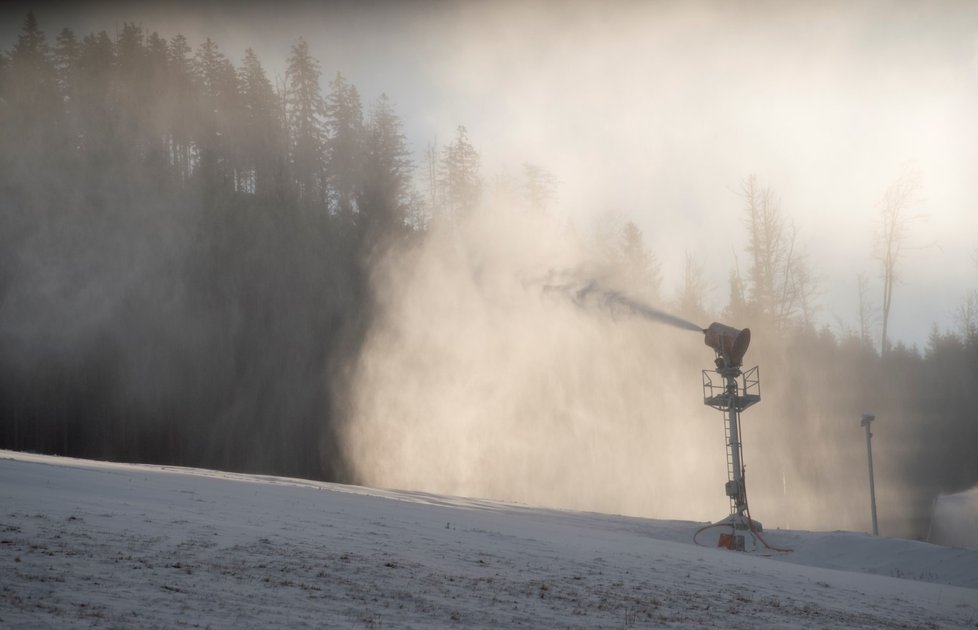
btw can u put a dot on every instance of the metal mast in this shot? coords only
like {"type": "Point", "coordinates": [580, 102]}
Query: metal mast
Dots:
{"type": "Point", "coordinates": [737, 392]}
{"type": "Point", "coordinates": [867, 419]}
{"type": "Point", "coordinates": [734, 392]}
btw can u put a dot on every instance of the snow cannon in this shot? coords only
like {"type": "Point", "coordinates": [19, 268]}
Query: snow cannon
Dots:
{"type": "Point", "coordinates": [732, 394]}
{"type": "Point", "coordinates": [729, 343]}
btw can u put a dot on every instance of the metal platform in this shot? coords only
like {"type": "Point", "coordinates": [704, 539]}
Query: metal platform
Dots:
{"type": "Point", "coordinates": [718, 395]}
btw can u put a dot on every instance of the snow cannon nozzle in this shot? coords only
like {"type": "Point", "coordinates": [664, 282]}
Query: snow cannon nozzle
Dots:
{"type": "Point", "coordinates": [729, 343]}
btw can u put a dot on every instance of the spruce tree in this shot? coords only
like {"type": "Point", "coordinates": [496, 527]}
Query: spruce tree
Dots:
{"type": "Point", "coordinates": [305, 111]}
{"type": "Point", "coordinates": [34, 110]}
{"type": "Point", "coordinates": [95, 65]}
{"type": "Point", "coordinates": [181, 97]}
{"type": "Point", "coordinates": [260, 132]}
{"type": "Point", "coordinates": [386, 197]}
{"type": "Point", "coordinates": [216, 117]}
{"type": "Point", "coordinates": [459, 180]}
{"type": "Point", "coordinates": [345, 147]}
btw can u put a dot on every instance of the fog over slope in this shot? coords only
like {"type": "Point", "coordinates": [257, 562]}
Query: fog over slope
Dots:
{"type": "Point", "coordinates": [248, 261]}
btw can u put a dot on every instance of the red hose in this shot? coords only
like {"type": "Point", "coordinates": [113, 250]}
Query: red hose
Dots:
{"type": "Point", "coordinates": [750, 523]}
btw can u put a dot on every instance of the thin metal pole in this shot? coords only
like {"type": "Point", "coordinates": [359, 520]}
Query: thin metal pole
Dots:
{"type": "Point", "coordinates": [869, 455]}
{"type": "Point", "coordinates": [733, 427]}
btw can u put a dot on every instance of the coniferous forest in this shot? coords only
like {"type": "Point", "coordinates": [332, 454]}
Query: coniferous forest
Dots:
{"type": "Point", "coordinates": [186, 253]}
{"type": "Point", "coordinates": [184, 249]}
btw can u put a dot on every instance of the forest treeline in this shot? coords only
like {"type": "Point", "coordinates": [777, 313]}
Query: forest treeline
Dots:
{"type": "Point", "coordinates": [185, 249]}
{"type": "Point", "coordinates": [185, 256]}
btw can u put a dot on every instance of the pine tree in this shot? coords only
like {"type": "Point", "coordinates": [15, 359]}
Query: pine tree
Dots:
{"type": "Point", "coordinates": [692, 296]}
{"type": "Point", "coordinates": [641, 269]}
{"type": "Point", "coordinates": [4, 71]}
{"type": "Point", "coordinates": [538, 186]}
{"type": "Point", "coordinates": [737, 306]}
{"type": "Point", "coordinates": [345, 147]}
{"type": "Point", "coordinates": [31, 58]}
{"type": "Point", "coordinates": [97, 131]}
{"type": "Point", "coordinates": [432, 177]}
{"type": "Point", "coordinates": [459, 180]}
{"type": "Point", "coordinates": [217, 117]}
{"type": "Point", "coordinates": [66, 54]}
{"type": "Point", "coordinates": [158, 52]}
{"type": "Point", "coordinates": [155, 116]}
{"type": "Point", "coordinates": [181, 105]}
{"type": "Point", "coordinates": [386, 195]}
{"type": "Point", "coordinates": [305, 111]}
{"type": "Point", "coordinates": [261, 136]}
{"type": "Point", "coordinates": [131, 96]}
{"type": "Point", "coordinates": [34, 114]}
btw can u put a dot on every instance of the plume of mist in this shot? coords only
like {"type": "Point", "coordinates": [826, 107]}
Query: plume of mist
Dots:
{"type": "Point", "coordinates": [554, 387]}
{"type": "Point", "coordinates": [218, 330]}
{"type": "Point", "coordinates": [590, 293]}
{"type": "Point", "coordinates": [475, 381]}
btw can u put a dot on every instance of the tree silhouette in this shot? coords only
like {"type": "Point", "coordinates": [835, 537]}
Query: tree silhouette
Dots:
{"type": "Point", "coordinates": [895, 224]}
{"type": "Point", "coordinates": [66, 53]}
{"type": "Point", "coordinates": [691, 303]}
{"type": "Point", "coordinates": [305, 111]}
{"type": "Point", "coordinates": [539, 186]}
{"type": "Point", "coordinates": [218, 118]}
{"type": "Point", "coordinates": [186, 256]}
{"type": "Point", "coordinates": [458, 178]}
{"type": "Point", "coordinates": [261, 137]}
{"type": "Point", "coordinates": [641, 268]}
{"type": "Point", "coordinates": [386, 197]}
{"type": "Point", "coordinates": [780, 284]}
{"type": "Point", "coordinates": [345, 147]}
{"type": "Point", "coordinates": [180, 100]}
{"type": "Point", "coordinates": [97, 135]}
{"type": "Point", "coordinates": [34, 114]}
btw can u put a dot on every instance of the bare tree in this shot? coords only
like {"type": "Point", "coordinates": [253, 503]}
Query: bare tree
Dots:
{"type": "Point", "coordinates": [780, 284]}
{"type": "Point", "coordinates": [895, 223]}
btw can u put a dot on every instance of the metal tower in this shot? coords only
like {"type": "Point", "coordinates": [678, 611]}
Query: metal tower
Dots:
{"type": "Point", "coordinates": [733, 392]}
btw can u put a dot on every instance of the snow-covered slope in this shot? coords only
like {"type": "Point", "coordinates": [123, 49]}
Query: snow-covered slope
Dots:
{"type": "Point", "coordinates": [87, 543]}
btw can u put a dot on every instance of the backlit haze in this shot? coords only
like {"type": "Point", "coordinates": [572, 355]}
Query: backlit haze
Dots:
{"type": "Point", "coordinates": [653, 113]}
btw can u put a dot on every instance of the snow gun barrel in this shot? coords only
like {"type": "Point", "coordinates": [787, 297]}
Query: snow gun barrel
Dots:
{"type": "Point", "coordinates": [729, 343]}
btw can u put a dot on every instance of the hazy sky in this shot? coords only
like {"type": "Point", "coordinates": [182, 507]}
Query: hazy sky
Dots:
{"type": "Point", "coordinates": [655, 112]}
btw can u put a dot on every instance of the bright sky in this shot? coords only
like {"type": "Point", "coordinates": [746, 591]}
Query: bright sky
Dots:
{"type": "Point", "coordinates": [655, 112]}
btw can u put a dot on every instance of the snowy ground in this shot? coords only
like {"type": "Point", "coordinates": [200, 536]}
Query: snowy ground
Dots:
{"type": "Point", "coordinates": [87, 543]}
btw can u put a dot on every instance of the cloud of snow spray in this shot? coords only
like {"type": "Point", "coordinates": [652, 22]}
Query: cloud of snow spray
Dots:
{"type": "Point", "coordinates": [481, 378]}
{"type": "Point", "coordinates": [591, 293]}
{"type": "Point", "coordinates": [487, 373]}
